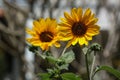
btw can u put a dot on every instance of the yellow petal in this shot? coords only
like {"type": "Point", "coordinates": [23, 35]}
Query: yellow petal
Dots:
{"type": "Point", "coordinates": [65, 25]}
{"type": "Point", "coordinates": [86, 15]}
{"type": "Point", "coordinates": [44, 46]}
{"type": "Point", "coordinates": [36, 30]}
{"type": "Point", "coordinates": [64, 28]}
{"type": "Point", "coordinates": [75, 41]}
{"type": "Point", "coordinates": [93, 30]}
{"type": "Point", "coordinates": [94, 27]}
{"type": "Point", "coordinates": [32, 39]}
{"type": "Point", "coordinates": [88, 37]}
{"type": "Point", "coordinates": [36, 24]}
{"type": "Point", "coordinates": [30, 32]}
{"type": "Point", "coordinates": [51, 25]}
{"type": "Point", "coordinates": [79, 13]}
{"type": "Point", "coordinates": [89, 17]}
{"type": "Point", "coordinates": [48, 22]}
{"type": "Point", "coordinates": [86, 42]}
{"type": "Point", "coordinates": [42, 23]}
{"type": "Point", "coordinates": [92, 33]}
{"type": "Point", "coordinates": [35, 43]}
{"type": "Point", "coordinates": [74, 14]}
{"type": "Point", "coordinates": [65, 21]}
{"type": "Point", "coordinates": [82, 40]}
{"type": "Point", "coordinates": [66, 37]}
{"type": "Point", "coordinates": [92, 22]}
{"type": "Point", "coordinates": [57, 44]}
{"type": "Point", "coordinates": [68, 17]}
{"type": "Point", "coordinates": [69, 44]}
{"type": "Point", "coordinates": [92, 16]}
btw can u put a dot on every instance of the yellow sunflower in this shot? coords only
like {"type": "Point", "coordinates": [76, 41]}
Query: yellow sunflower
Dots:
{"type": "Point", "coordinates": [78, 27]}
{"type": "Point", "coordinates": [44, 33]}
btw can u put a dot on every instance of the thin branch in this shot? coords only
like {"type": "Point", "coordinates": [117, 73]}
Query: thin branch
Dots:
{"type": "Point", "coordinates": [6, 48]}
{"type": "Point", "coordinates": [14, 6]}
{"type": "Point", "coordinates": [10, 32]}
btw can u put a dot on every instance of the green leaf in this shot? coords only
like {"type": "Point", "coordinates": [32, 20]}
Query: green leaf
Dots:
{"type": "Point", "coordinates": [68, 57]}
{"type": "Point", "coordinates": [50, 71]}
{"type": "Point", "coordinates": [70, 76]}
{"type": "Point", "coordinates": [85, 49]}
{"type": "Point", "coordinates": [63, 66]}
{"type": "Point", "coordinates": [44, 76]}
{"type": "Point", "coordinates": [111, 70]}
{"type": "Point", "coordinates": [51, 59]}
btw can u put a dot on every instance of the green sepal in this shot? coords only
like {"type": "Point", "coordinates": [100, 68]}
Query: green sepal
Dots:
{"type": "Point", "coordinates": [95, 47]}
{"type": "Point", "coordinates": [33, 48]}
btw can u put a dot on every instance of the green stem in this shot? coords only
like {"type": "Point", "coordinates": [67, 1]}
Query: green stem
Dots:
{"type": "Point", "coordinates": [92, 66]}
{"type": "Point", "coordinates": [39, 54]}
{"type": "Point", "coordinates": [63, 51]}
{"type": "Point", "coordinates": [87, 66]}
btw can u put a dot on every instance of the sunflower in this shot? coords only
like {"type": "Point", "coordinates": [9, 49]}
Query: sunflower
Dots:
{"type": "Point", "coordinates": [78, 27]}
{"type": "Point", "coordinates": [44, 33]}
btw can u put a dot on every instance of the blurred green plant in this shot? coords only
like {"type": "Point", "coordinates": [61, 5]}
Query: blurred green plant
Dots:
{"type": "Point", "coordinates": [63, 62]}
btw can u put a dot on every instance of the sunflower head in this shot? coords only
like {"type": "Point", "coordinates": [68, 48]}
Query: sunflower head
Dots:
{"type": "Point", "coordinates": [44, 33]}
{"type": "Point", "coordinates": [78, 27]}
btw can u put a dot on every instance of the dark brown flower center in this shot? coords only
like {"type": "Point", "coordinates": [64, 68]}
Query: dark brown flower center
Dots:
{"type": "Point", "coordinates": [79, 29]}
{"type": "Point", "coordinates": [46, 36]}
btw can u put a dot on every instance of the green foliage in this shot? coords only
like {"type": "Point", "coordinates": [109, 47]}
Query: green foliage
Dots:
{"type": "Point", "coordinates": [63, 61]}
{"type": "Point", "coordinates": [64, 76]}
{"type": "Point", "coordinates": [60, 64]}
{"type": "Point", "coordinates": [44, 76]}
{"type": "Point", "coordinates": [108, 69]}
{"type": "Point", "coordinates": [70, 76]}
{"type": "Point", "coordinates": [51, 59]}
{"type": "Point", "coordinates": [68, 57]}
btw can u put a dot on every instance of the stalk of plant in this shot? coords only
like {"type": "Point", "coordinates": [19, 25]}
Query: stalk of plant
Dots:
{"type": "Point", "coordinates": [92, 66]}
{"type": "Point", "coordinates": [87, 66]}
{"type": "Point", "coordinates": [63, 51]}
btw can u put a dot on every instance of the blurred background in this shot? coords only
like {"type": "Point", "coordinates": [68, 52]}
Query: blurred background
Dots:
{"type": "Point", "coordinates": [17, 63]}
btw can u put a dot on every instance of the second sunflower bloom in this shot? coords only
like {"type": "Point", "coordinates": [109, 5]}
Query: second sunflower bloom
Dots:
{"type": "Point", "coordinates": [78, 27]}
